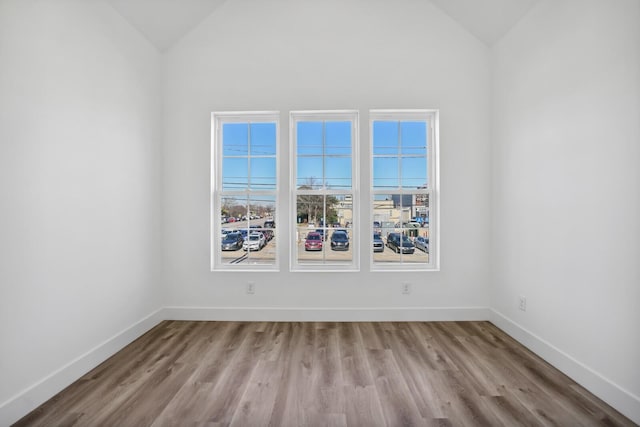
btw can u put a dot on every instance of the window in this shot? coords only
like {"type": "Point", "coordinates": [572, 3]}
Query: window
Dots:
{"type": "Point", "coordinates": [324, 190]}
{"type": "Point", "coordinates": [404, 189]}
{"type": "Point", "coordinates": [244, 191]}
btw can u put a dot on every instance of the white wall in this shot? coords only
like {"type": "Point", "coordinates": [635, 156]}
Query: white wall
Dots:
{"type": "Point", "coordinates": [566, 188]}
{"type": "Point", "coordinates": [286, 55]}
{"type": "Point", "coordinates": [80, 212]}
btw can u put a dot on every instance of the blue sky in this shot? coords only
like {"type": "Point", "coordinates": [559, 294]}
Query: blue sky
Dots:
{"type": "Point", "coordinates": [236, 142]}
{"type": "Point", "coordinates": [407, 140]}
{"type": "Point", "coordinates": [324, 154]}
{"type": "Point", "coordinates": [337, 154]}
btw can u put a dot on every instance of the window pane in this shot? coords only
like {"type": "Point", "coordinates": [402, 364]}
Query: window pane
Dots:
{"type": "Point", "coordinates": [234, 212]}
{"type": "Point", "coordinates": [421, 216]}
{"type": "Point", "coordinates": [338, 172]}
{"type": "Point", "coordinates": [235, 139]}
{"type": "Point", "coordinates": [310, 209]}
{"type": "Point", "coordinates": [309, 173]}
{"type": "Point", "coordinates": [414, 137]}
{"type": "Point", "coordinates": [309, 138]}
{"type": "Point", "coordinates": [386, 214]}
{"type": "Point", "coordinates": [263, 173]}
{"type": "Point", "coordinates": [244, 217]}
{"type": "Point", "coordinates": [385, 172]}
{"type": "Point", "coordinates": [340, 211]}
{"type": "Point", "coordinates": [260, 245]}
{"type": "Point", "coordinates": [337, 138]}
{"type": "Point", "coordinates": [234, 173]}
{"type": "Point", "coordinates": [318, 218]}
{"type": "Point", "coordinates": [339, 229]}
{"type": "Point", "coordinates": [385, 137]}
{"type": "Point", "coordinates": [263, 139]}
{"type": "Point", "coordinates": [401, 221]}
{"type": "Point", "coordinates": [414, 172]}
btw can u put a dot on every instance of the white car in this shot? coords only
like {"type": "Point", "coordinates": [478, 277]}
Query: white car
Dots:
{"type": "Point", "coordinates": [254, 242]}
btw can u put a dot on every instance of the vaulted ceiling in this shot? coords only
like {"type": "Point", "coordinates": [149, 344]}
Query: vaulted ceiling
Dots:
{"type": "Point", "coordinates": [164, 22]}
{"type": "Point", "coordinates": [488, 20]}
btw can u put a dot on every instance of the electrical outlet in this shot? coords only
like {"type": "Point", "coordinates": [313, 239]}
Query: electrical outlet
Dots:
{"type": "Point", "coordinates": [251, 288]}
{"type": "Point", "coordinates": [406, 288]}
{"type": "Point", "coordinates": [522, 303]}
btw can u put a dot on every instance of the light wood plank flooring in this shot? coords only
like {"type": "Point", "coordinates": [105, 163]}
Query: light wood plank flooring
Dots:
{"type": "Point", "coordinates": [324, 374]}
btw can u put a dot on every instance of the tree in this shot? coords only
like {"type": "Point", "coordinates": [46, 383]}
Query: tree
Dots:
{"type": "Point", "coordinates": [227, 206]}
{"type": "Point", "coordinates": [310, 206]}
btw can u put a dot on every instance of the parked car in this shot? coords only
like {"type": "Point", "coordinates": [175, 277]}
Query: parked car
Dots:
{"type": "Point", "coordinates": [255, 242]}
{"type": "Point", "coordinates": [232, 241]}
{"type": "Point", "coordinates": [313, 242]}
{"type": "Point", "coordinates": [400, 243]}
{"type": "Point", "coordinates": [422, 243]}
{"type": "Point", "coordinates": [378, 245]}
{"type": "Point", "coordinates": [224, 232]}
{"type": "Point", "coordinates": [269, 224]}
{"type": "Point", "coordinates": [411, 224]}
{"type": "Point", "coordinates": [339, 241]}
{"type": "Point", "coordinates": [268, 234]}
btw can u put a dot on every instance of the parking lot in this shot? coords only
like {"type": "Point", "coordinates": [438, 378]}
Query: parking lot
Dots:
{"type": "Point", "coordinates": [268, 253]}
{"type": "Point", "coordinates": [328, 255]}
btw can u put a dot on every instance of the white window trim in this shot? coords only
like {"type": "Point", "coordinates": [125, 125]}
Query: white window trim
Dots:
{"type": "Point", "coordinates": [325, 115]}
{"type": "Point", "coordinates": [431, 116]}
{"type": "Point", "coordinates": [217, 119]}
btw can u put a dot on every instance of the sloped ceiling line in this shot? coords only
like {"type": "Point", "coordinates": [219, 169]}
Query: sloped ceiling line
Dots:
{"type": "Point", "coordinates": [164, 22]}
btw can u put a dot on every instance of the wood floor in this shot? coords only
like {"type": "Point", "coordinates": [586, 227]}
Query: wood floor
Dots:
{"type": "Point", "coordinates": [324, 374]}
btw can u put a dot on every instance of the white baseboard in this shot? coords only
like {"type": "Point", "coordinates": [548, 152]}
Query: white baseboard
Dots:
{"type": "Point", "coordinates": [622, 400]}
{"type": "Point", "coordinates": [352, 314]}
{"type": "Point", "coordinates": [29, 399]}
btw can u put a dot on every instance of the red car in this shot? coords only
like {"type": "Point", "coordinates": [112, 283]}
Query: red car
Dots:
{"type": "Point", "coordinates": [313, 242]}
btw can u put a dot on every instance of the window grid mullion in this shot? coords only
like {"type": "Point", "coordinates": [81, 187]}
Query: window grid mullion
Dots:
{"type": "Point", "coordinates": [249, 155]}
{"type": "Point", "coordinates": [324, 226]}
{"type": "Point", "coordinates": [324, 152]}
{"type": "Point", "coordinates": [400, 161]}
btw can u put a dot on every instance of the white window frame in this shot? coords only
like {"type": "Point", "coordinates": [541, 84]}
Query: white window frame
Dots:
{"type": "Point", "coordinates": [431, 117]}
{"type": "Point", "coordinates": [325, 115]}
{"type": "Point", "coordinates": [217, 193]}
